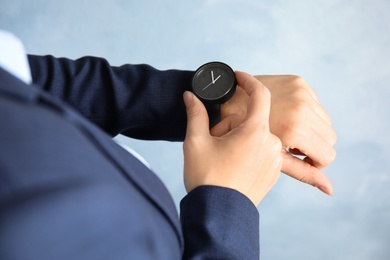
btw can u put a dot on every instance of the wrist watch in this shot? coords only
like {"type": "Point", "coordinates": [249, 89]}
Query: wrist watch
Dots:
{"type": "Point", "coordinates": [214, 83]}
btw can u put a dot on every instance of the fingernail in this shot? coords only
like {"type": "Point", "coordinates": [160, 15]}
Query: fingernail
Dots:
{"type": "Point", "coordinates": [325, 190]}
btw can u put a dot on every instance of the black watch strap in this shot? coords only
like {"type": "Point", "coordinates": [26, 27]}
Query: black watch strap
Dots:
{"type": "Point", "coordinates": [214, 112]}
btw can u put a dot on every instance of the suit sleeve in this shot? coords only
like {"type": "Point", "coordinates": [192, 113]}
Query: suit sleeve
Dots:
{"type": "Point", "coordinates": [219, 223]}
{"type": "Point", "coordinates": [136, 100]}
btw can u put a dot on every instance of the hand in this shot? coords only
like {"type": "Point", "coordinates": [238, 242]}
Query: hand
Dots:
{"type": "Point", "coordinates": [300, 122]}
{"type": "Point", "coordinates": [247, 158]}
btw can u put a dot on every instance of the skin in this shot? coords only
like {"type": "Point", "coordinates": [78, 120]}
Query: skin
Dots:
{"type": "Point", "coordinates": [246, 158]}
{"type": "Point", "coordinates": [298, 120]}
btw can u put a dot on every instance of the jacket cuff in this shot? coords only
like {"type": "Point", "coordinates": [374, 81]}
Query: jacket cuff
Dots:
{"type": "Point", "coordinates": [219, 223]}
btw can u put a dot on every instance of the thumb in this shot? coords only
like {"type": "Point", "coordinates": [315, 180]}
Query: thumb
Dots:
{"type": "Point", "coordinates": [197, 118]}
{"type": "Point", "coordinates": [306, 172]}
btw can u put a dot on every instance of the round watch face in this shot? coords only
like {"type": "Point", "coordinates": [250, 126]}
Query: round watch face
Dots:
{"type": "Point", "coordinates": [214, 82]}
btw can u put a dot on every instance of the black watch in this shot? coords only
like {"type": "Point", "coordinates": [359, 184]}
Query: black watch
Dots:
{"type": "Point", "coordinates": [214, 83]}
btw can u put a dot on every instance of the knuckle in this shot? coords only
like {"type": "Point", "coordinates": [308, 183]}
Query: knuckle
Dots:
{"type": "Point", "coordinates": [301, 100]}
{"type": "Point", "coordinates": [265, 91]}
{"type": "Point", "coordinates": [275, 146]}
{"type": "Point", "coordinates": [334, 138]}
{"type": "Point", "coordinates": [303, 179]}
{"type": "Point", "coordinates": [305, 176]}
{"type": "Point", "coordinates": [331, 157]}
{"type": "Point", "coordinates": [298, 81]}
{"type": "Point", "coordinates": [292, 134]}
{"type": "Point", "coordinates": [327, 158]}
{"type": "Point", "coordinates": [298, 109]}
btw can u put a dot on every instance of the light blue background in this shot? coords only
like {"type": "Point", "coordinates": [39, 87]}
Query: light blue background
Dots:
{"type": "Point", "coordinates": [341, 47]}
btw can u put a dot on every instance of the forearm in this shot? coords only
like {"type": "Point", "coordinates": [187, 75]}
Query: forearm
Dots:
{"type": "Point", "coordinates": [136, 100]}
{"type": "Point", "coordinates": [219, 223]}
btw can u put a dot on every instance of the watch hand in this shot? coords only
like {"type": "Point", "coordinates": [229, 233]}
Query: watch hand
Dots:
{"type": "Point", "coordinates": [207, 86]}
{"type": "Point", "coordinates": [212, 82]}
{"type": "Point", "coordinates": [212, 76]}
{"type": "Point", "coordinates": [217, 79]}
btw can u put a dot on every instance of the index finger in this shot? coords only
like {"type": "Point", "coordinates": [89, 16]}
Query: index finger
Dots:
{"type": "Point", "coordinates": [259, 103]}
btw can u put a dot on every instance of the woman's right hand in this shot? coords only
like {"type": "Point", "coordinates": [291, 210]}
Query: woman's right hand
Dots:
{"type": "Point", "coordinates": [248, 158]}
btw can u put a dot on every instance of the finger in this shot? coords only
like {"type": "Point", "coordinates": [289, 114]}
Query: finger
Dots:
{"type": "Point", "coordinates": [197, 118]}
{"type": "Point", "coordinates": [226, 125]}
{"type": "Point", "coordinates": [259, 103]}
{"type": "Point", "coordinates": [313, 138]}
{"type": "Point", "coordinates": [317, 149]}
{"type": "Point", "coordinates": [305, 172]}
{"type": "Point", "coordinates": [323, 157]}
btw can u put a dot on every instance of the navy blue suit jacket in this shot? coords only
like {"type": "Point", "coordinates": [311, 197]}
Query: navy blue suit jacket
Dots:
{"type": "Point", "coordinates": [67, 191]}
